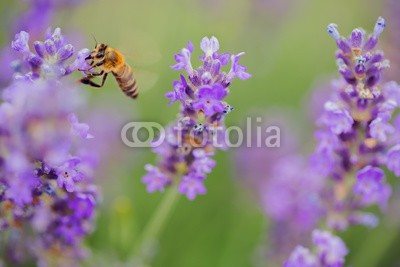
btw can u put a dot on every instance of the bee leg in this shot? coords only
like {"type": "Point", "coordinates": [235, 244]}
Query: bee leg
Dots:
{"type": "Point", "coordinates": [88, 81]}
{"type": "Point", "coordinates": [92, 67]}
{"type": "Point", "coordinates": [97, 73]}
{"type": "Point", "coordinates": [104, 79]}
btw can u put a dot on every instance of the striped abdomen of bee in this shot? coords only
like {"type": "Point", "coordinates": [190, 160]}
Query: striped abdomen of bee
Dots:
{"type": "Point", "coordinates": [127, 81]}
{"type": "Point", "coordinates": [107, 60]}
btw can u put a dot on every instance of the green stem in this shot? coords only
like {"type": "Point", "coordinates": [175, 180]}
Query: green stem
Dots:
{"type": "Point", "coordinates": [150, 233]}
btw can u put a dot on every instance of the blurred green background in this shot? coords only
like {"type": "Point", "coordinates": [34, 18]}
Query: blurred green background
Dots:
{"type": "Point", "coordinates": [287, 51]}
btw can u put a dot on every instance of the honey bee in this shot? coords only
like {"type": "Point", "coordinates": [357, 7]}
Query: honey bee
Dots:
{"type": "Point", "coordinates": [108, 60]}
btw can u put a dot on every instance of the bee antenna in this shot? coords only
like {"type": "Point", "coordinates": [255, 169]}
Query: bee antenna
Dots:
{"type": "Point", "coordinates": [94, 39]}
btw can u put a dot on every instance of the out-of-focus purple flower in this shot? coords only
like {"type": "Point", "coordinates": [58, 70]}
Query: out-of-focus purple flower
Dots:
{"type": "Point", "coordinates": [287, 188]}
{"type": "Point", "coordinates": [80, 129]}
{"type": "Point", "coordinates": [369, 220]}
{"type": "Point", "coordinates": [371, 187]}
{"type": "Point", "coordinates": [301, 257]}
{"type": "Point", "coordinates": [327, 141]}
{"type": "Point", "coordinates": [155, 179]}
{"type": "Point", "coordinates": [392, 91]}
{"type": "Point", "coordinates": [35, 19]}
{"type": "Point", "coordinates": [203, 163]}
{"type": "Point", "coordinates": [20, 43]}
{"type": "Point", "coordinates": [323, 162]}
{"type": "Point", "coordinates": [337, 119]}
{"type": "Point", "coordinates": [83, 205]}
{"type": "Point", "coordinates": [331, 250]}
{"type": "Point", "coordinates": [393, 160]}
{"type": "Point", "coordinates": [190, 142]}
{"type": "Point", "coordinates": [191, 186]}
{"type": "Point", "coordinates": [353, 143]}
{"type": "Point", "coordinates": [68, 175]}
{"type": "Point", "coordinates": [46, 182]}
{"type": "Point", "coordinates": [379, 129]}
{"type": "Point", "coordinates": [39, 14]}
{"type": "Point", "coordinates": [37, 171]}
{"type": "Point", "coordinates": [357, 130]}
{"type": "Point", "coordinates": [285, 199]}
{"type": "Point", "coordinates": [51, 57]}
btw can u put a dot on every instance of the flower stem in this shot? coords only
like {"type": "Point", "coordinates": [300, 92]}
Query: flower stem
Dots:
{"type": "Point", "coordinates": [146, 244]}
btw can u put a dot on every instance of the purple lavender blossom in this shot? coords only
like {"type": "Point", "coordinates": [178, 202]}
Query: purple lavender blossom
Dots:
{"type": "Point", "coordinates": [237, 70]}
{"type": "Point", "coordinates": [155, 179]}
{"type": "Point", "coordinates": [185, 155]}
{"type": "Point", "coordinates": [330, 249]}
{"type": "Point", "coordinates": [50, 59]}
{"type": "Point", "coordinates": [179, 93]}
{"type": "Point", "coordinates": [183, 59]}
{"type": "Point", "coordinates": [337, 119]}
{"type": "Point", "coordinates": [46, 183]}
{"type": "Point", "coordinates": [203, 163]}
{"type": "Point", "coordinates": [301, 257]}
{"type": "Point", "coordinates": [330, 252]}
{"type": "Point", "coordinates": [393, 160]}
{"type": "Point", "coordinates": [371, 187]}
{"type": "Point", "coordinates": [210, 100]}
{"type": "Point", "coordinates": [191, 186]}
{"type": "Point", "coordinates": [35, 19]}
{"type": "Point", "coordinates": [286, 187]}
{"type": "Point", "coordinates": [68, 175]}
{"type": "Point", "coordinates": [357, 132]}
{"type": "Point", "coordinates": [285, 199]}
{"type": "Point", "coordinates": [379, 129]}
{"type": "Point", "coordinates": [357, 138]}
{"type": "Point", "coordinates": [80, 129]}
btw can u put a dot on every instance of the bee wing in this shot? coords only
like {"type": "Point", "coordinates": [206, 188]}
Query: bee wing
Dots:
{"type": "Point", "coordinates": [141, 52]}
{"type": "Point", "coordinates": [145, 79]}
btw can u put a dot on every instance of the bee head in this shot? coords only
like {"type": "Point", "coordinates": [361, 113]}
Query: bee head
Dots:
{"type": "Point", "coordinates": [99, 51]}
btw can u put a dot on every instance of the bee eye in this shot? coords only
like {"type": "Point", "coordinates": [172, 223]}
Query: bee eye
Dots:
{"type": "Point", "coordinates": [100, 54]}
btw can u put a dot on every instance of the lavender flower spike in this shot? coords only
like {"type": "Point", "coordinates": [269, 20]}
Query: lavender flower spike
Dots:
{"type": "Point", "coordinates": [52, 57]}
{"type": "Point", "coordinates": [357, 136]}
{"type": "Point", "coordinates": [301, 257]}
{"type": "Point", "coordinates": [47, 195]}
{"type": "Point", "coordinates": [185, 155]}
{"type": "Point", "coordinates": [330, 252]}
